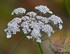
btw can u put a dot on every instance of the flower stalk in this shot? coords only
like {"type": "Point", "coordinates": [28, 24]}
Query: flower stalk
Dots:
{"type": "Point", "coordinates": [40, 47]}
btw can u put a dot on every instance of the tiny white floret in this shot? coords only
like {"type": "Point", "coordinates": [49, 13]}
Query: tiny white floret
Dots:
{"type": "Point", "coordinates": [43, 9]}
{"type": "Point", "coordinates": [31, 14]}
{"type": "Point", "coordinates": [19, 11]}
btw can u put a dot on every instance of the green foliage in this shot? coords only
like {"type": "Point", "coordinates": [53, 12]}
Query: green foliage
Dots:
{"type": "Point", "coordinates": [67, 7]}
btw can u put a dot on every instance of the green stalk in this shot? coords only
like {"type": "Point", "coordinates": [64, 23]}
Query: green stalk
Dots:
{"type": "Point", "coordinates": [40, 47]}
{"type": "Point", "coordinates": [67, 7]}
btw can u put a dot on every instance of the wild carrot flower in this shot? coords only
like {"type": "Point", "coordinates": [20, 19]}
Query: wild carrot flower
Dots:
{"type": "Point", "coordinates": [32, 23]}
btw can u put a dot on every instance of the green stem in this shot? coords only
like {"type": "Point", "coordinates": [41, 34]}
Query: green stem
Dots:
{"type": "Point", "coordinates": [67, 7]}
{"type": "Point", "coordinates": [40, 47]}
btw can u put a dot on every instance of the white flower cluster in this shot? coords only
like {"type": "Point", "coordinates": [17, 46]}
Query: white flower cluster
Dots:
{"type": "Point", "coordinates": [13, 27]}
{"type": "Point", "coordinates": [19, 11]}
{"type": "Point", "coordinates": [43, 9]}
{"type": "Point", "coordinates": [56, 20]}
{"type": "Point", "coordinates": [31, 14]}
{"type": "Point", "coordinates": [33, 24]}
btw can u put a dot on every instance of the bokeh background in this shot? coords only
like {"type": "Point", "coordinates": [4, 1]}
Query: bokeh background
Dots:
{"type": "Point", "coordinates": [18, 44]}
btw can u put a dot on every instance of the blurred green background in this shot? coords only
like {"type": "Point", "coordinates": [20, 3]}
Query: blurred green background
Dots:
{"type": "Point", "coordinates": [15, 45]}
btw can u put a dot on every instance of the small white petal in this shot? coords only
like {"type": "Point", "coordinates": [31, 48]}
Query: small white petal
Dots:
{"type": "Point", "coordinates": [60, 26]}
{"type": "Point", "coordinates": [29, 30]}
{"type": "Point", "coordinates": [25, 31]}
{"type": "Point", "coordinates": [50, 12]}
{"type": "Point", "coordinates": [31, 14]}
{"type": "Point", "coordinates": [5, 30]}
{"type": "Point", "coordinates": [38, 40]}
{"type": "Point", "coordinates": [9, 36]}
{"type": "Point", "coordinates": [29, 37]}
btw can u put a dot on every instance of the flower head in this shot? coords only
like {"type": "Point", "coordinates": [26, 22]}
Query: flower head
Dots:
{"type": "Point", "coordinates": [33, 24]}
{"type": "Point", "coordinates": [31, 14]}
{"type": "Point", "coordinates": [18, 11]}
{"type": "Point", "coordinates": [43, 9]}
{"type": "Point", "coordinates": [13, 27]}
{"type": "Point", "coordinates": [47, 29]}
{"type": "Point", "coordinates": [56, 20]}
